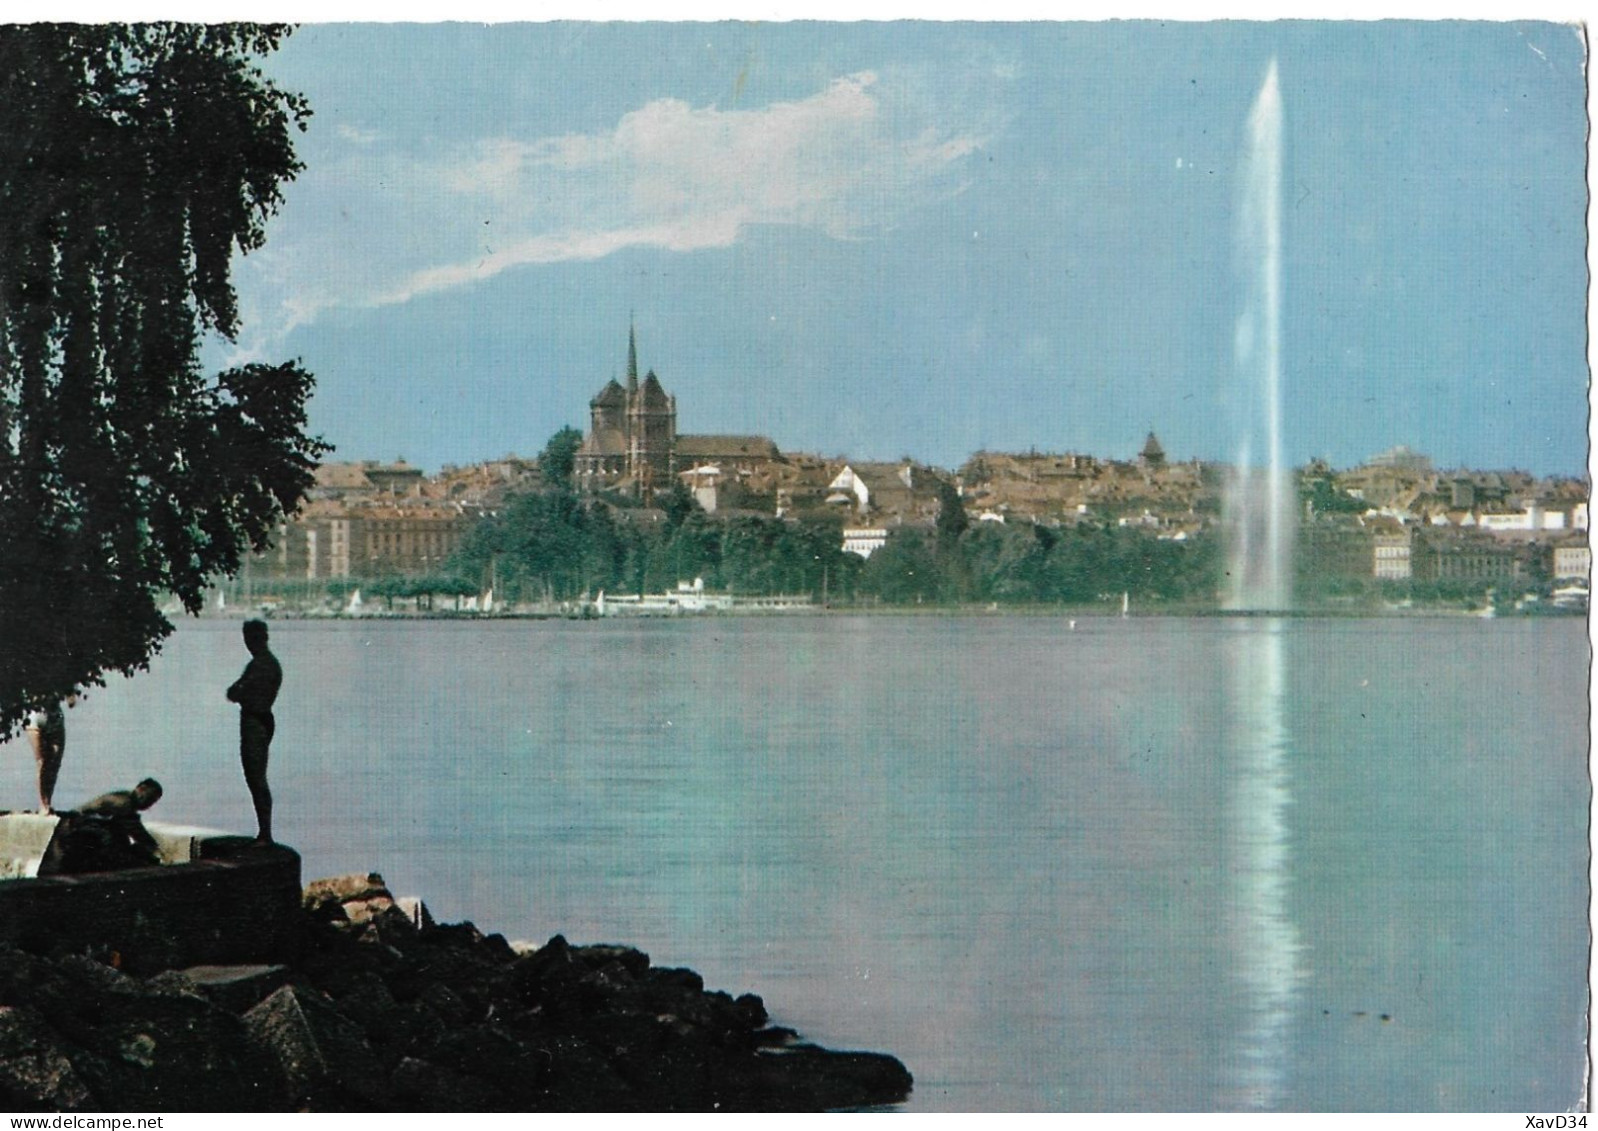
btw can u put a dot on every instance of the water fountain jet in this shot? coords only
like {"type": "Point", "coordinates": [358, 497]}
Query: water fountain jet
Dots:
{"type": "Point", "coordinates": [1259, 507]}
{"type": "Point", "coordinates": [1260, 512]}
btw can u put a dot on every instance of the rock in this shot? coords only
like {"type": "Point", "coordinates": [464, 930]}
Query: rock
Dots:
{"type": "Point", "coordinates": [751, 1010]}
{"type": "Point", "coordinates": [578, 1078]}
{"type": "Point", "coordinates": [22, 974]}
{"type": "Point", "coordinates": [173, 983]}
{"type": "Point", "coordinates": [82, 968]}
{"type": "Point", "coordinates": [325, 1058]}
{"type": "Point", "coordinates": [634, 1041]}
{"type": "Point", "coordinates": [35, 1073]}
{"type": "Point", "coordinates": [408, 1030]}
{"type": "Point", "coordinates": [139, 1049]}
{"type": "Point", "coordinates": [607, 980]}
{"type": "Point", "coordinates": [416, 911]}
{"type": "Point", "coordinates": [488, 1053]}
{"type": "Point", "coordinates": [674, 992]}
{"type": "Point", "coordinates": [471, 974]}
{"type": "Point", "coordinates": [360, 995]}
{"type": "Point", "coordinates": [682, 1077]}
{"type": "Point", "coordinates": [677, 978]}
{"type": "Point", "coordinates": [557, 952]}
{"type": "Point", "coordinates": [635, 962]}
{"type": "Point", "coordinates": [553, 960]}
{"type": "Point", "coordinates": [354, 898]}
{"type": "Point", "coordinates": [166, 1048]}
{"type": "Point", "coordinates": [420, 1085]}
{"type": "Point", "coordinates": [333, 951]}
{"type": "Point", "coordinates": [381, 1009]}
{"type": "Point", "coordinates": [445, 1003]}
{"type": "Point", "coordinates": [776, 1037]}
{"type": "Point", "coordinates": [387, 925]}
{"type": "Point", "coordinates": [236, 988]}
{"type": "Point", "coordinates": [496, 949]}
{"type": "Point", "coordinates": [326, 911]}
{"type": "Point", "coordinates": [460, 936]}
{"type": "Point", "coordinates": [343, 889]}
{"type": "Point", "coordinates": [806, 1078]}
{"type": "Point", "coordinates": [364, 910]}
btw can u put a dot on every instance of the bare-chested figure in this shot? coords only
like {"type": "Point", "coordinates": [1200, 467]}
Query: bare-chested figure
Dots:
{"type": "Point", "coordinates": [255, 691]}
{"type": "Point", "coordinates": [121, 809]}
{"type": "Point", "coordinates": [104, 835]}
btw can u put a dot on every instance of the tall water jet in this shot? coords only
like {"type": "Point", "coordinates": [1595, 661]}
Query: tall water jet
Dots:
{"type": "Point", "coordinates": [1259, 504]}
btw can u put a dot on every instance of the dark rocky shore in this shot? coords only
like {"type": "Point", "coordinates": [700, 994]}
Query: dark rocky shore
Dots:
{"type": "Point", "coordinates": [385, 1011]}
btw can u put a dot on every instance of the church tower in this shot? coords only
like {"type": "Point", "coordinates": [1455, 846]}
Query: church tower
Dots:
{"type": "Point", "coordinates": [651, 426]}
{"type": "Point", "coordinates": [632, 432]}
{"type": "Point", "coordinates": [632, 361]}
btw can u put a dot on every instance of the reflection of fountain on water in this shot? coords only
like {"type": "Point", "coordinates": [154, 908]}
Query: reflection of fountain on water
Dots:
{"type": "Point", "coordinates": [1259, 507]}
{"type": "Point", "coordinates": [1265, 940]}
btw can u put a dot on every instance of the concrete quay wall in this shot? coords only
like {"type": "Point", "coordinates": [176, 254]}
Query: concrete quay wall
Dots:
{"type": "Point", "coordinates": [234, 904]}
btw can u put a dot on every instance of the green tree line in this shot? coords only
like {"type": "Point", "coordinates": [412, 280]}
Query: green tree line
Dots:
{"type": "Point", "coordinates": [1016, 564]}
{"type": "Point", "coordinates": [557, 545]}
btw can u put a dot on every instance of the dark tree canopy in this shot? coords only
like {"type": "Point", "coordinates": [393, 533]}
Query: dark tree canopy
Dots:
{"type": "Point", "coordinates": [559, 457]}
{"type": "Point", "coordinates": [134, 161]}
{"type": "Point", "coordinates": [952, 520]}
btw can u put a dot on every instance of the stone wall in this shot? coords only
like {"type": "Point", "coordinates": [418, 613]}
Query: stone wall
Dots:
{"type": "Point", "coordinates": [237, 903]}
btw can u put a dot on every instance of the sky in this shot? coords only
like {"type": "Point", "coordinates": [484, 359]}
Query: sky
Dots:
{"type": "Point", "coordinates": [895, 239]}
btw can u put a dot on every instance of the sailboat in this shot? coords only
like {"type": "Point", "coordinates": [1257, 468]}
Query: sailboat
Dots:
{"type": "Point", "coordinates": [1126, 602]}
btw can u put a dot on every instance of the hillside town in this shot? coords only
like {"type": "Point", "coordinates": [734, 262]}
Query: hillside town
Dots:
{"type": "Point", "coordinates": [1394, 518]}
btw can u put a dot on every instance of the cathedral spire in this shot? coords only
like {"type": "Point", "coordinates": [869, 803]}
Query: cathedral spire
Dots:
{"type": "Point", "coordinates": [632, 357]}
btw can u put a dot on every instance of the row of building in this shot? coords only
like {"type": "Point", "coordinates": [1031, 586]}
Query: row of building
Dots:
{"type": "Point", "coordinates": [1398, 518]}
{"type": "Point", "coordinates": [1382, 549]}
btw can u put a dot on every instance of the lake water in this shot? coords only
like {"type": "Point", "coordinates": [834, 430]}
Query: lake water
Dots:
{"type": "Point", "coordinates": [1146, 864]}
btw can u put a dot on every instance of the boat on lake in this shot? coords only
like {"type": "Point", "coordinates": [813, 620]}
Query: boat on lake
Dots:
{"type": "Point", "coordinates": [693, 598]}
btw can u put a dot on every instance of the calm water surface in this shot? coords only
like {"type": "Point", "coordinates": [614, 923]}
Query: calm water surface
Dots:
{"type": "Point", "coordinates": [1145, 864]}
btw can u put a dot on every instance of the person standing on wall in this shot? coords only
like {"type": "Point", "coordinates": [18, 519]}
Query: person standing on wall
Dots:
{"type": "Point", "coordinates": [255, 691]}
{"type": "Point", "coordinates": [47, 733]}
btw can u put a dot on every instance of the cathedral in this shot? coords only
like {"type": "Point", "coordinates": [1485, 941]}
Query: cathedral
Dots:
{"type": "Point", "coordinates": [632, 433]}
{"type": "Point", "coordinates": [633, 445]}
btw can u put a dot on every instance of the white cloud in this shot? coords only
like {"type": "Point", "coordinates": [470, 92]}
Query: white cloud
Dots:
{"type": "Point", "coordinates": [373, 225]}
{"type": "Point", "coordinates": [356, 134]}
{"type": "Point", "coordinates": [670, 174]}
{"type": "Point", "coordinates": [561, 248]}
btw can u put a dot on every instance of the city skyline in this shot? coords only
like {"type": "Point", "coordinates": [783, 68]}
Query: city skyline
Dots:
{"type": "Point", "coordinates": [930, 239]}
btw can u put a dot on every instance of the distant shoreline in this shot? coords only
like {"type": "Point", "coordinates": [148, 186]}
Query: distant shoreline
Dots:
{"type": "Point", "coordinates": [1050, 612]}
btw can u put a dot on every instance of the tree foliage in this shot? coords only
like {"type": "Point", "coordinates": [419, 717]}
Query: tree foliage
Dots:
{"type": "Point", "coordinates": [559, 457]}
{"type": "Point", "coordinates": [952, 520]}
{"type": "Point", "coordinates": [134, 161]}
{"type": "Point", "coordinates": [1325, 498]}
{"type": "Point", "coordinates": [557, 545]}
{"type": "Point", "coordinates": [904, 571]}
{"type": "Point", "coordinates": [546, 544]}
{"type": "Point", "coordinates": [678, 503]}
{"type": "Point", "coordinates": [1028, 564]}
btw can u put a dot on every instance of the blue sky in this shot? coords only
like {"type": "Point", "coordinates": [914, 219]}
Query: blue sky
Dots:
{"type": "Point", "coordinates": [929, 238]}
